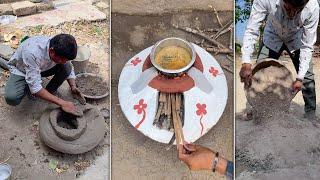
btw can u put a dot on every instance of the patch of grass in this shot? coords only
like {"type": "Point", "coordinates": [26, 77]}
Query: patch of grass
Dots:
{"type": "Point", "coordinates": [37, 29]}
{"type": "Point", "coordinates": [97, 30]}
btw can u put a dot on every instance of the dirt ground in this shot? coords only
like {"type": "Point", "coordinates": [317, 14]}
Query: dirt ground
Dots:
{"type": "Point", "coordinates": [134, 156]}
{"type": "Point", "coordinates": [281, 146]}
{"type": "Point", "coordinates": [19, 127]}
{"type": "Point", "coordinates": [144, 7]}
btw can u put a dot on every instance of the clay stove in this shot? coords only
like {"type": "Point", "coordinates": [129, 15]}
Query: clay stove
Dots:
{"type": "Point", "coordinates": [200, 110]}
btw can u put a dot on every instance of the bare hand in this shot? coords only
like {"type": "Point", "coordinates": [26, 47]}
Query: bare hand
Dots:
{"type": "Point", "coordinates": [246, 74]}
{"type": "Point", "coordinates": [196, 157]}
{"type": "Point", "coordinates": [296, 86]}
{"type": "Point", "coordinates": [78, 95]}
{"type": "Point", "coordinates": [69, 107]}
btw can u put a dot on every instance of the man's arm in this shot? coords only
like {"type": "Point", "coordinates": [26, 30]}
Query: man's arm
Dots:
{"type": "Point", "coordinates": [258, 13]}
{"type": "Point", "coordinates": [33, 79]}
{"type": "Point", "coordinates": [309, 37]}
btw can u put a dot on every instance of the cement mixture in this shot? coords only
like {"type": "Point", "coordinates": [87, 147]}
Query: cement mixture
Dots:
{"type": "Point", "coordinates": [92, 85]}
{"type": "Point", "coordinates": [271, 90]}
{"type": "Point", "coordinates": [283, 146]}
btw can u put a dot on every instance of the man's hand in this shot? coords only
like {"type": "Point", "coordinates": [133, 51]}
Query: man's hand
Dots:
{"type": "Point", "coordinates": [246, 74]}
{"type": "Point", "coordinates": [78, 95]}
{"type": "Point", "coordinates": [196, 157]}
{"type": "Point", "coordinates": [69, 107]}
{"type": "Point", "coordinates": [296, 86]}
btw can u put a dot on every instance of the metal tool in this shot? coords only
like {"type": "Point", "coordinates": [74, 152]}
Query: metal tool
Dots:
{"type": "Point", "coordinates": [144, 80]}
{"type": "Point", "coordinates": [200, 80]}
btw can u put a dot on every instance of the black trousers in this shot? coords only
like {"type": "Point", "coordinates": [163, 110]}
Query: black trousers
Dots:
{"type": "Point", "coordinates": [60, 73]}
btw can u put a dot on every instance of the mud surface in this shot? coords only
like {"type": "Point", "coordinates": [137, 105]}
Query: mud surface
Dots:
{"type": "Point", "coordinates": [144, 7]}
{"type": "Point", "coordinates": [283, 146]}
{"type": "Point", "coordinates": [86, 141]}
{"type": "Point", "coordinates": [92, 86]}
{"type": "Point", "coordinates": [138, 156]}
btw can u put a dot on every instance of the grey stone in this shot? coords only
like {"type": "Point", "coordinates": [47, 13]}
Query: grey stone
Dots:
{"type": "Point", "coordinates": [44, 6]}
{"type": "Point", "coordinates": [6, 51]}
{"type": "Point", "coordinates": [6, 9]}
{"type": "Point", "coordinates": [24, 8]}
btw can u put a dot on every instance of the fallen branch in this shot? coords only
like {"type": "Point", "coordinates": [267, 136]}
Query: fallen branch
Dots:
{"type": "Point", "coordinates": [226, 28]}
{"type": "Point", "coordinates": [193, 31]}
{"type": "Point", "coordinates": [219, 50]}
{"type": "Point", "coordinates": [5, 160]}
{"type": "Point", "coordinates": [227, 69]}
{"type": "Point", "coordinates": [216, 14]}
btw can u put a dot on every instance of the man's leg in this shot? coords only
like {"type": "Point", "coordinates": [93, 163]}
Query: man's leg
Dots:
{"type": "Point", "coordinates": [308, 89]}
{"type": "Point", "coordinates": [15, 89]}
{"type": "Point", "coordinates": [60, 72]}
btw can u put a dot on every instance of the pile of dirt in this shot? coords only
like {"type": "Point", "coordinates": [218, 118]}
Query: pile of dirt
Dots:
{"type": "Point", "coordinates": [283, 141]}
{"type": "Point", "coordinates": [92, 85]}
{"type": "Point", "coordinates": [271, 90]}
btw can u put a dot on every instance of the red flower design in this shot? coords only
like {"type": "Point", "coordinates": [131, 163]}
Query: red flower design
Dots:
{"type": "Point", "coordinates": [213, 71]}
{"type": "Point", "coordinates": [140, 107]}
{"type": "Point", "coordinates": [201, 109]}
{"type": "Point", "coordinates": [201, 112]}
{"type": "Point", "coordinates": [136, 61]}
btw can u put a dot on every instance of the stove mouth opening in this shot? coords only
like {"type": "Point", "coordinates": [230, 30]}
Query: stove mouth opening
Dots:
{"type": "Point", "coordinates": [169, 103]}
{"type": "Point", "coordinates": [67, 121]}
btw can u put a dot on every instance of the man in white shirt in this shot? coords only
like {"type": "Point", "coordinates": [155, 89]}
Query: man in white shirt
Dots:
{"type": "Point", "coordinates": [38, 57]}
{"type": "Point", "coordinates": [291, 26]}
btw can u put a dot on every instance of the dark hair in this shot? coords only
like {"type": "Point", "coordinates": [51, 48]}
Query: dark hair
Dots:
{"type": "Point", "coordinates": [297, 3]}
{"type": "Point", "coordinates": [64, 45]}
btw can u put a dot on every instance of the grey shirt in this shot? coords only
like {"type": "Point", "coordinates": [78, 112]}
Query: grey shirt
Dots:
{"type": "Point", "coordinates": [32, 58]}
{"type": "Point", "coordinates": [299, 32]}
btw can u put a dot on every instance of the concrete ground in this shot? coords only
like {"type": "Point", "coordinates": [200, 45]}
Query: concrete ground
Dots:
{"type": "Point", "coordinates": [19, 133]}
{"type": "Point", "coordinates": [135, 156]}
{"type": "Point", "coordinates": [281, 146]}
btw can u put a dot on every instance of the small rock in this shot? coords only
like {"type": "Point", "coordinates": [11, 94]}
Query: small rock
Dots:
{"type": "Point", "coordinates": [6, 9]}
{"type": "Point", "coordinates": [105, 113]}
{"type": "Point", "coordinates": [24, 8]}
{"type": "Point", "coordinates": [6, 51]}
{"type": "Point", "coordinates": [102, 5]}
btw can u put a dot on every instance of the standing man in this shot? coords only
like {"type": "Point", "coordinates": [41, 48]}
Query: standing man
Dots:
{"type": "Point", "coordinates": [291, 26]}
{"type": "Point", "coordinates": [38, 57]}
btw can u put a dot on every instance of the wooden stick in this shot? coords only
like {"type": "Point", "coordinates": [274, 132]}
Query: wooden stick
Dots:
{"type": "Point", "coordinates": [224, 29]}
{"type": "Point", "coordinates": [217, 16]}
{"type": "Point", "coordinates": [217, 50]}
{"type": "Point", "coordinates": [227, 69]}
{"type": "Point", "coordinates": [193, 31]}
{"type": "Point", "coordinates": [177, 123]}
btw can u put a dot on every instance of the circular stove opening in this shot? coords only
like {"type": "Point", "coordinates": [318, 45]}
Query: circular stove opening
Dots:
{"type": "Point", "coordinates": [67, 121]}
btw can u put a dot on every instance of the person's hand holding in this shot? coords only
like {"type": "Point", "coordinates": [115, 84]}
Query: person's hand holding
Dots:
{"type": "Point", "coordinates": [69, 107]}
{"type": "Point", "coordinates": [246, 74]}
{"type": "Point", "coordinates": [296, 86]}
{"type": "Point", "coordinates": [78, 95]}
{"type": "Point", "coordinates": [196, 157]}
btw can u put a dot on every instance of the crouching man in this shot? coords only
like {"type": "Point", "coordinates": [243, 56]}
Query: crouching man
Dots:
{"type": "Point", "coordinates": [38, 57]}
